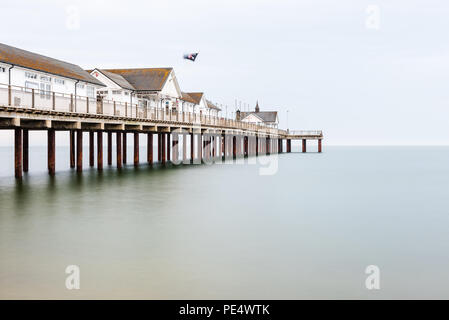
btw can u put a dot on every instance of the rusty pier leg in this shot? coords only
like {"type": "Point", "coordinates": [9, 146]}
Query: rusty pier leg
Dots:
{"type": "Point", "coordinates": [79, 150]}
{"type": "Point", "coordinates": [289, 145]}
{"type": "Point", "coordinates": [25, 150]}
{"type": "Point", "coordinates": [184, 147]}
{"type": "Point", "coordinates": [169, 147]}
{"type": "Point", "coordinates": [150, 148]}
{"type": "Point", "coordinates": [18, 153]}
{"type": "Point", "coordinates": [125, 147]}
{"type": "Point", "coordinates": [159, 147]}
{"type": "Point", "coordinates": [109, 148]}
{"type": "Point", "coordinates": [192, 149]}
{"type": "Point", "coordinates": [200, 147]}
{"type": "Point", "coordinates": [72, 148]}
{"type": "Point", "coordinates": [100, 150]}
{"type": "Point", "coordinates": [234, 147]}
{"type": "Point", "coordinates": [304, 145]}
{"type": "Point", "coordinates": [119, 149]}
{"type": "Point", "coordinates": [136, 149]}
{"type": "Point", "coordinates": [91, 148]}
{"type": "Point", "coordinates": [51, 151]}
{"type": "Point", "coordinates": [319, 145]}
{"type": "Point", "coordinates": [163, 148]}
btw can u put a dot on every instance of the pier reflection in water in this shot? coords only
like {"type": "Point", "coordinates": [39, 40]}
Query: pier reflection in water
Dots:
{"type": "Point", "coordinates": [224, 231]}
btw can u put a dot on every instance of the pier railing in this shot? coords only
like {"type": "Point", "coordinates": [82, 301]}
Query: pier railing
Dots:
{"type": "Point", "coordinates": [305, 133]}
{"type": "Point", "coordinates": [38, 99]}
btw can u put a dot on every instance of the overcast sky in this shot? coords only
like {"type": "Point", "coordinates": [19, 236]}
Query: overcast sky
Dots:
{"type": "Point", "coordinates": [365, 72]}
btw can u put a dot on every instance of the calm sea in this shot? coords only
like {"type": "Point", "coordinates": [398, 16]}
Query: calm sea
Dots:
{"type": "Point", "coordinates": [225, 231]}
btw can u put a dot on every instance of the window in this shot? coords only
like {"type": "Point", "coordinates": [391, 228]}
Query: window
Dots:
{"type": "Point", "coordinates": [2, 69]}
{"type": "Point", "coordinates": [59, 81]}
{"type": "Point", "coordinates": [116, 92]}
{"type": "Point", "coordinates": [45, 78]}
{"type": "Point", "coordinates": [45, 91]}
{"type": "Point", "coordinates": [31, 85]}
{"type": "Point", "coordinates": [126, 93]}
{"type": "Point", "coordinates": [30, 75]}
{"type": "Point", "coordinates": [103, 92]}
{"type": "Point", "coordinates": [80, 86]}
{"type": "Point", "coordinates": [90, 92]}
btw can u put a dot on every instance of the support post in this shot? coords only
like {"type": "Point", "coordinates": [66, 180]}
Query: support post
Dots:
{"type": "Point", "coordinates": [136, 149]}
{"type": "Point", "coordinates": [168, 145]}
{"type": "Point", "coordinates": [234, 147]}
{"type": "Point", "coordinates": [51, 151]}
{"type": "Point", "coordinates": [18, 153]}
{"type": "Point", "coordinates": [72, 148]}
{"type": "Point", "coordinates": [25, 150]}
{"type": "Point", "coordinates": [200, 147]}
{"type": "Point", "coordinates": [109, 148]}
{"type": "Point", "coordinates": [150, 148]}
{"type": "Point", "coordinates": [159, 147]}
{"type": "Point", "coordinates": [79, 150]}
{"type": "Point", "coordinates": [100, 150]}
{"type": "Point", "coordinates": [125, 147]}
{"type": "Point", "coordinates": [319, 145]}
{"type": "Point", "coordinates": [163, 147]}
{"type": "Point", "coordinates": [304, 145]}
{"type": "Point", "coordinates": [184, 146]}
{"type": "Point", "coordinates": [192, 149]}
{"type": "Point", "coordinates": [119, 149]}
{"type": "Point", "coordinates": [91, 148]}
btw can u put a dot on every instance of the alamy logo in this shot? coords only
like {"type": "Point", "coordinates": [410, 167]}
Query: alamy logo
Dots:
{"type": "Point", "coordinates": [373, 17]}
{"type": "Point", "coordinates": [73, 280]}
{"type": "Point", "coordinates": [372, 282]}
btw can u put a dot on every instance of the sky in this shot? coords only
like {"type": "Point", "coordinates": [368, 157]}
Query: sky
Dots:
{"type": "Point", "coordinates": [364, 72]}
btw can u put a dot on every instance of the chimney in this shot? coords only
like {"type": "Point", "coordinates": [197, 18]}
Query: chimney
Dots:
{"type": "Point", "coordinates": [257, 106]}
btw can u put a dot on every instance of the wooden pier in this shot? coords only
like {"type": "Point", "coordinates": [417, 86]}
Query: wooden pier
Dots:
{"type": "Point", "coordinates": [214, 137]}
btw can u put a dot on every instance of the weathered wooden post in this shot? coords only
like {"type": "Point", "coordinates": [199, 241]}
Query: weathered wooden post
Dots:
{"type": "Point", "coordinates": [25, 150]}
{"type": "Point", "coordinates": [184, 146]}
{"type": "Point", "coordinates": [234, 147]}
{"type": "Point", "coordinates": [125, 147]}
{"type": "Point", "coordinates": [136, 149]}
{"type": "Point", "coordinates": [72, 148]}
{"type": "Point", "coordinates": [192, 149]}
{"type": "Point", "coordinates": [200, 147]}
{"type": "Point", "coordinates": [109, 148]}
{"type": "Point", "coordinates": [150, 148]}
{"type": "Point", "coordinates": [79, 150]}
{"type": "Point", "coordinates": [100, 150]}
{"type": "Point", "coordinates": [18, 153]}
{"type": "Point", "coordinates": [51, 151]}
{"type": "Point", "coordinates": [304, 145]}
{"type": "Point", "coordinates": [91, 148]}
{"type": "Point", "coordinates": [119, 149]}
{"type": "Point", "coordinates": [159, 147]}
{"type": "Point", "coordinates": [168, 146]}
{"type": "Point", "coordinates": [319, 145]}
{"type": "Point", "coordinates": [163, 136]}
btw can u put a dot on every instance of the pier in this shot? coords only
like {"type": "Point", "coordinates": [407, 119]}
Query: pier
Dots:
{"type": "Point", "coordinates": [24, 109]}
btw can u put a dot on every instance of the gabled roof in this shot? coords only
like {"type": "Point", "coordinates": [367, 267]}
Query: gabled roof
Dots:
{"type": "Point", "coordinates": [212, 106]}
{"type": "Point", "coordinates": [116, 78]}
{"type": "Point", "coordinates": [266, 116]}
{"type": "Point", "coordinates": [145, 79]}
{"type": "Point", "coordinates": [30, 60]}
{"type": "Point", "coordinates": [196, 96]}
{"type": "Point", "coordinates": [186, 97]}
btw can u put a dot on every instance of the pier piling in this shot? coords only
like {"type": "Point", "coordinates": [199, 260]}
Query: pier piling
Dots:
{"type": "Point", "coordinates": [91, 148]}
{"type": "Point", "coordinates": [119, 149]}
{"type": "Point", "coordinates": [51, 151]}
{"type": "Point", "coordinates": [100, 150]}
{"type": "Point", "coordinates": [319, 145]}
{"type": "Point", "coordinates": [304, 145]}
{"type": "Point", "coordinates": [25, 150]}
{"type": "Point", "coordinates": [136, 149]}
{"type": "Point", "coordinates": [109, 148]}
{"type": "Point", "coordinates": [72, 148]}
{"type": "Point", "coordinates": [125, 147]}
{"type": "Point", "coordinates": [79, 150]}
{"type": "Point", "coordinates": [18, 153]}
{"type": "Point", "coordinates": [150, 148]}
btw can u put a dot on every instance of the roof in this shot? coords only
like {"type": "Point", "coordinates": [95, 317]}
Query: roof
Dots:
{"type": "Point", "coordinates": [266, 116]}
{"type": "Point", "coordinates": [117, 79]}
{"type": "Point", "coordinates": [186, 97]}
{"type": "Point", "coordinates": [196, 96]}
{"type": "Point", "coordinates": [30, 60]}
{"type": "Point", "coordinates": [146, 79]}
{"type": "Point", "coordinates": [212, 106]}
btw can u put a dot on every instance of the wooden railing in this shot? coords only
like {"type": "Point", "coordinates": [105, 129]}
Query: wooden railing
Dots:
{"type": "Point", "coordinates": [48, 100]}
